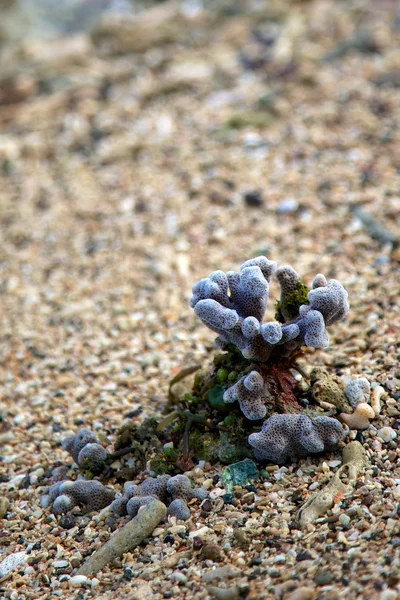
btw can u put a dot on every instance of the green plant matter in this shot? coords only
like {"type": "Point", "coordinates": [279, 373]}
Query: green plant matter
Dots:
{"type": "Point", "coordinates": [292, 302]}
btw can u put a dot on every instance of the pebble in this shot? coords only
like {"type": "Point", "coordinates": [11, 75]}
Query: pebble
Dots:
{"type": "Point", "coordinates": [4, 504]}
{"type": "Point", "coordinates": [78, 580]}
{"type": "Point", "coordinates": [323, 577]}
{"type": "Point", "coordinates": [224, 593]}
{"type": "Point", "coordinates": [60, 564]}
{"type": "Point", "coordinates": [387, 434]}
{"type": "Point", "coordinates": [302, 593]}
{"type": "Point", "coordinates": [11, 563]}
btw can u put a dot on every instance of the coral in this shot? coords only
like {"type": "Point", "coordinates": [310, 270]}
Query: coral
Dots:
{"type": "Point", "coordinates": [75, 443]}
{"type": "Point", "coordinates": [357, 391]}
{"type": "Point", "coordinates": [164, 488]}
{"type": "Point", "coordinates": [179, 509]}
{"type": "Point", "coordinates": [133, 505]}
{"type": "Point", "coordinates": [327, 390]}
{"type": "Point", "coordinates": [90, 495]}
{"type": "Point", "coordinates": [233, 306]}
{"type": "Point", "coordinates": [92, 458]}
{"type": "Point", "coordinates": [180, 487]}
{"type": "Point", "coordinates": [250, 392]}
{"type": "Point", "coordinates": [286, 436]}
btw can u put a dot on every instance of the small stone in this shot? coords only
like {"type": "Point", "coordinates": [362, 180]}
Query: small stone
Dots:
{"type": "Point", "coordinates": [60, 564]}
{"type": "Point", "coordinates": [302, 593]}
{"type": "Point", "coordinates": [287, 205]}
{"type": "Point", "coordinates": [67, 522]}
{"type": "Point", "coordinates": [323, 577]}
{"type": "Point", "coordinates": [387, 434]}
{"type": "Point", "coordinates": [11, 563]}
{"type": "Point", "coordinates": [78, 580]}
{"type": "Point", "coordinates": [224, 593]}
{"type": "Point", "coordinates": [241, 473]}
{"type": "Point", "coordinates": [253, 199]}
{"type": "Point", "coordinates": [4, 504]}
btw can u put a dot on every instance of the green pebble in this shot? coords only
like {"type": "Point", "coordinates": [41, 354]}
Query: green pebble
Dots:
{"type": "Point", "coordinates": [241, 473]}
{"type": "Point", "coordinates": [232, 376]}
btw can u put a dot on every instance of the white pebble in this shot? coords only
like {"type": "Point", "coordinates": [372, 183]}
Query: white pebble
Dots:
{"type": "Point", "coordinates": [387, 434]}
{"type": "Point", "coordinates": [12, 562]}
{"type": "Point", "coordinates": [78, 580]}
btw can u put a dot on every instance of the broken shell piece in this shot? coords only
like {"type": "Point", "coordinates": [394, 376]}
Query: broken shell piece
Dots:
{"type": "Point", "coordinates": [359, 419]}
{"type": "Point", "coordinates": [377, 394]}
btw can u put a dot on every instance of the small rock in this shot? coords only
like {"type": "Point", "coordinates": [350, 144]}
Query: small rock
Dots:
{"type": "Point", "coordinates": [241, 473]}
{"type": "Point", "coordinates": [253, 199]}
{"type": "Point", "coordinates": [387, 434]}
{"type": "Point", "coordinates": [323, 577]}
{"type": "Point", "coordinates": [302, 593]}
{"type": "Point", "coordinates": [224, 593]}
{"type": "Point", "coordinates": [60, 564]}
{"type": "Point", "coordinates": [67, 521]}
{"type": "Point", "coordinates": [4, 504]}
{"type": "Point", "coordinates": [287, 205]}
{"type": "Point", "coordinates": [78, 580]}
{"type": "Point", "coordinates": [12, 562]}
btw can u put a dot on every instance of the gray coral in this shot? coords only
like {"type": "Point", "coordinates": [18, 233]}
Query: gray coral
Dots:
{"type": "Point", "coordinates": [248, 391]}
{"type": "Point", "coordinates": [85, 449]}
{"type": "Point", "coordinates": [287, 436]}
{"type": "Point", "coordinates": [357, 391]}
{"type": "Point", "coordinates": [179, 509]}
{"type": "Point", "coordinates": [76, 442]}
{"type": "Point", "coordinates": [233, 305]}
{"type": "Point", "coordinates": [90, 495]}
{"type": "Point", "coordinates": [179, 487]}
{"type": "Point", "coordinates": [175, 491]}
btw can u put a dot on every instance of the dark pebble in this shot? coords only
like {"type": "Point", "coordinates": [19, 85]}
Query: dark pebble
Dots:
{"type": "Point", "coordinates": [197, 543]}
{"type": "Point", "coordinates": [227, 498]}
{"type": "Point", "coordinates": [67, 522]}
{"type": "Point", "coordinates": [303, 556]}
{"type": "Point", "coordinates": [169, 539]}
{"type": "Point", "coordinates": [255, 561]}
{"type": "Point", "coordinates": [395, 542]}
{"type": "Point", "coordinates": [254, 199]}
{"type": "Point", "coordinates": [128, 573]}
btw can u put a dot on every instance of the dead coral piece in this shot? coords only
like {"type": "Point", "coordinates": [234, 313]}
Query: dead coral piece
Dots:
{"type": "Point", "coordinates": [357, 391]}
{"type": "Point", "coordinates": [327, 389]}
{"type": "Point", "coordinates": [377, 393]}
{"type": "Point", "coordinates": [126, 538]}
{"type": "Point", "coordinates": [359, 419]}
{"type": "Point", "coordinates": [342, 484]}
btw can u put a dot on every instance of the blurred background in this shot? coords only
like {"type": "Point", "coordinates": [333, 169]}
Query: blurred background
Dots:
{"type": "Point", "coordinates": [143, 145]}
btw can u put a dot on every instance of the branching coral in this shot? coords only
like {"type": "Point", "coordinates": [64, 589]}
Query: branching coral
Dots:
{"type": "Point", "coordinates": [233, 305]}
{"type": "Point", "coordinates": [288, 436]}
